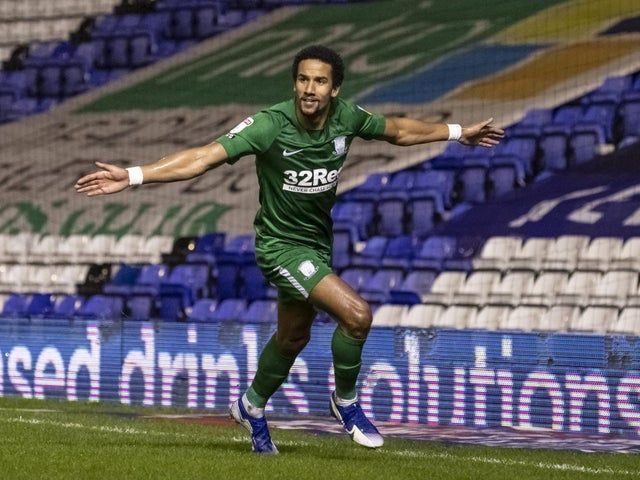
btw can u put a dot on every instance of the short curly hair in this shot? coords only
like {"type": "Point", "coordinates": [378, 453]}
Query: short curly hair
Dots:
{"type": "Point", "coordinates": [325, 55]}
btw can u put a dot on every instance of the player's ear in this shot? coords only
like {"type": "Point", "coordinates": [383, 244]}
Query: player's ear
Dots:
{"type": "Point", "coordinates": [335, 91]}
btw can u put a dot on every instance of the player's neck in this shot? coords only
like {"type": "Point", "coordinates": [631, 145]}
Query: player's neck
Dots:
{"type": "Point", "coordinates": [313, 122]}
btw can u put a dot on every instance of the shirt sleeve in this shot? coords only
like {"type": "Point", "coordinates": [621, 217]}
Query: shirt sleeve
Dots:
{"type": "Point", "coordinates": [254, 135]}
{"type": "Point", "coordinates": [371, 125]}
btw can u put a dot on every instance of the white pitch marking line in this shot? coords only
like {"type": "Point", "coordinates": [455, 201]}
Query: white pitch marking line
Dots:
{"type": "Point", "coordinates": [512, 463]}
{"type": "Point", "coordinates": [80, 426]}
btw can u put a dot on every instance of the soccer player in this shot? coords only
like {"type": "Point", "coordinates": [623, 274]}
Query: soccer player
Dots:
{"type": "Point", "coordinates": [300, 146]}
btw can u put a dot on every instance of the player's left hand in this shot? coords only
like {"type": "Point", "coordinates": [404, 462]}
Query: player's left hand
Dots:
{"type": "Point", "coordinates": [482, 133]}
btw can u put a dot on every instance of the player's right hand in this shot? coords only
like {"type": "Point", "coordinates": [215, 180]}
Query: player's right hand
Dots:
{"type": "Point", "coordinates": [109, 179]}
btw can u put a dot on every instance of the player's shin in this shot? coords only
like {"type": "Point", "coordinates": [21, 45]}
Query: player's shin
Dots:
{"type": "Point", "coordinates": [273, 369]}
{"type": "Point", "coordinates": [347, 359]}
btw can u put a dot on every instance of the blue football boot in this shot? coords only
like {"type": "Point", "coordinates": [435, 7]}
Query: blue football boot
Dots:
{"type": "Point", "coordinates": [356, 424]}
{"type": "Point", "coordinates": [258, 428]}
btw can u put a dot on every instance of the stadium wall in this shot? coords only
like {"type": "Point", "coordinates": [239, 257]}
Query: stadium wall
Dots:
{"type": "Point", "coordinates": [579, 384]}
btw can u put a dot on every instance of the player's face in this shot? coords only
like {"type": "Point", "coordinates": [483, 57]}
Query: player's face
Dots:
{"type": "Point", "coordinates": [314, 88]}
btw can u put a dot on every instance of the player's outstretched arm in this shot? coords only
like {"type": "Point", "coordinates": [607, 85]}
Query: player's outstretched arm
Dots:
{"type": "Point", "coordinates": [408, 131]}
{"type": "Point", "coordinates": [178, 166]}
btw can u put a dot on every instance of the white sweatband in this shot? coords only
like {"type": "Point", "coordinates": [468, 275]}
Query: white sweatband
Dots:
{"type": "Point", "coordinates": [455, 131]}
{"type": "Point", "coordinates": [135, 175]}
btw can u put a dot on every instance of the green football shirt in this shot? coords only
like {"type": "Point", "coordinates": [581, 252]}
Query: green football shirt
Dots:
{"type": "Point", "coordinates": [298, 169]}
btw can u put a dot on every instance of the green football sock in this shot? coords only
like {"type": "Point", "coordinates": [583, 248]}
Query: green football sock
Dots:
{"type": "Point", "coordinates": [347, 359]}
{"type": "Point", "coordinates": [273, 369]}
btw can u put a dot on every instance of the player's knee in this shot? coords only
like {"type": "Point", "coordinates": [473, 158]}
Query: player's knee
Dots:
{"type": "Point", "coordinates": [360, 320]}
{"type": "Point", "coordinates": [291, 346]}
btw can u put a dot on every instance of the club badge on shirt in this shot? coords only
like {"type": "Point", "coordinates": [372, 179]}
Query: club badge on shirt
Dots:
{"type": "Point", "coordinates": [308, 269]}
{"type": "Point", "coordinates": [340, 145]}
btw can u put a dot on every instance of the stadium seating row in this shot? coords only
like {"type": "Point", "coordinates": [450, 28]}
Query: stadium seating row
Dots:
{"type": "Point", "coordinates": [566, 252]}
{"type": "Point", "coordinates": [29, 248]}
{"type": "Point", "coordinates": [559, 318]}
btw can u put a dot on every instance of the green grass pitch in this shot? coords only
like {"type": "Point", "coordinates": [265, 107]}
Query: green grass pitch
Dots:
{"type": "Point", "coordinates": [53, 439]}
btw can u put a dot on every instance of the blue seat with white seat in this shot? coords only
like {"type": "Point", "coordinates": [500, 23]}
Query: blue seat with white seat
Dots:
{"type": "Point", "coordinates": [434, 251]}
{"type": "Point", "coordinates": [415, 284]}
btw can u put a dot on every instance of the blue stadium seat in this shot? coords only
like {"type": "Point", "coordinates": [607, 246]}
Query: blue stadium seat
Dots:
{"type": "Point", "coordinates": [123, 281]}
{"type": "Point", "coordinates": [187, 281]}
{"type": "Point", "coordinates": [466, 249]}
{"type": "Point", "coordinates": [40, 304]}
{"type": "Point", "coordinates": [399, 252]}
{"type": "Point", "coordinates": [208, 246]}
{"type": "Point", "coordinates": [442, 181]}
{"type": "Point", "coordinates": [49, 81]}
{"type": "Point", "coordinates": [568, 115]}
{"type": "Point", "coordinates": [538, 117]}
{"type": "Point", "coordinates": [472, 175]}
{"type": "Point", "coordinates": [370, 190]}
{"type": "Point", "coordinates": [66, 306]}
{"type": "Point", "coordinates": [239, 249]}
{"type": "Point", "coordinates": [505, 174]}
{"type": "Point", "coordinates": [391, 213]}
{"type": "Point", "coordinates": [616, 85]}
{"type": "Point", "coordinates": [202, 310]}
{"type": "Point", "coordinates": [148, 283]}
{"type": "Point", "coordinates": [75, 79]}
{"type": "Point", "coordinates": [377, 288]}
{"type": "Point", "coordinates": [345, 236]}
{"type": "Point", "coordinates": [359, 214]}
{"type": "Point", "coordinates": [423, 210]}
{"type": "Point", "coordinates": [181, 24]}
{"type": "Point", "coordinates": [101, 307]}
{"type": "Point", "coordinates": [584, 142]}
{"type": "Point", "coordinates": [371, 254]}
{"type": "Point", "coordinates": [227, 280]}
{"type": "Point", "coordinates": [15, 305]}
{"type": "Point", "coordinates": [261, 311]}
{"type": "Point", "coordinates": [434, 251]}
{"type": "Point", "coordinates": [410, 291]}
{"type": "Point", "coordinates": [142, 51]}
{"type": "Point", "coordinates": [117, 48]}
{"type": "Point", "coordinates": [254, 285]}
{"type": "Point", "coordinates": [602, 114]}
{"type": "Point", "coordinates": [230, 309]}
{"type": "Point", "coordinates": [524, 148]}
{"type": "Point", "coordinates": [401, 181]}
{"type": "Point", "coordinates": [554, 148]}
{"type": "Point", "coordinates": [139, 307]}
{"type": "Point", "coordinates": [629, 112]}
{"type": "Point", "coordinates": [356, 277]}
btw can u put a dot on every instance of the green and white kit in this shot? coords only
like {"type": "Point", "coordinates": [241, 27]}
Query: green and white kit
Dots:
{"type": "Point", "coordinates": [298, 173]}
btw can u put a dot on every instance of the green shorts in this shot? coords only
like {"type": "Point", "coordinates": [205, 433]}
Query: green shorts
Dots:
{"type": "Point", "coordinates": [294, 270]}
